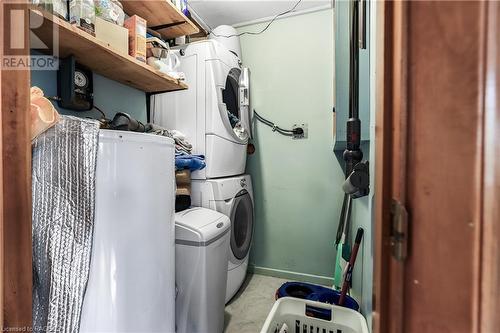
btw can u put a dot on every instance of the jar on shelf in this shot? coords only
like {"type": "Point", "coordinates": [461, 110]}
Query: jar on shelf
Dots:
{"type": "Point", "coordinates": [82, 13]}
{"type": "Point", "coordinates": [56, 7]}
{"type": "Point", "coordinates": [110, 10]}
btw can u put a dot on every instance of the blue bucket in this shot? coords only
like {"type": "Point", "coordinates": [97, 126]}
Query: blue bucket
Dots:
{"type": "Point", "coordinates": [316, 293]}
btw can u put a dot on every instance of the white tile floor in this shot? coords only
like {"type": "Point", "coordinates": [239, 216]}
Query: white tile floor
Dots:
{"type": "Point", "coordinates": [248, 310]}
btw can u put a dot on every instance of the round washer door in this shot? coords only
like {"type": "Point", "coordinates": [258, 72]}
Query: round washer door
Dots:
{"type": "Point", "coordinates": [241, 225]}
{"type": "Point", "coordinates": [230, 107]}
{"type": "Point", "coordinates": [230, 94]}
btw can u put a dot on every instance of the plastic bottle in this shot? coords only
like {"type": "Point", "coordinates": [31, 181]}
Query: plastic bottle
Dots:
{"type": "Point", "coordinates": [184, 8]}
{"type": "Point", "coordinates": [110, 10]}
{"type": "Point", "coordinates": [82, 13]}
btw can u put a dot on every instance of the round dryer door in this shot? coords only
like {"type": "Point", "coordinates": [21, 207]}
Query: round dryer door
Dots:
{"type": "Point", "coordinates": [241, 225]}
{"type": "Point", "coordinates": [231, 113]}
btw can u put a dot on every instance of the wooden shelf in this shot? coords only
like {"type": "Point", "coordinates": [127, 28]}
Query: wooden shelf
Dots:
{"type": "Point", "coordinates": [161, 13]}
{"type": "Point", "coordinates": [100, 57]}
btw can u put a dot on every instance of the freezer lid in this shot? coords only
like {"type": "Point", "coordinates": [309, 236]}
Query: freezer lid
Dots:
{"type": "Point", "coordinates": [200, 226]}
{"type": "Point", "coordinates": [106, 135]}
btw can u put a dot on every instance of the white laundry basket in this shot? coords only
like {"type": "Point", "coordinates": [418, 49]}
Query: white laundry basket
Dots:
{"type": "Point", "coordinates": [293, 312]}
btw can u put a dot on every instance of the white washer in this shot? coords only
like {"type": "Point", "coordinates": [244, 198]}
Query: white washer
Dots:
{"type": "Point", "coordinates": [218, 92]}
{"type": "Point", "coordinates": [233, 197]}
{"type": "Point", "coordinates": [131, 286]}
{"type": "Point", "coordinates": [201, 254]}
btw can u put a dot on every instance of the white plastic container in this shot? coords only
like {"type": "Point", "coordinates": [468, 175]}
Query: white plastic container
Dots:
{"type": "Point", "coordinates": [201, 254]}
{"type": "Point", "coordinates": [131, 286]}
{"type": "Point", "coordinates": [110, 10]}
{"type": "Point", "coordinates": [82, 13]}
{"type": "Point", "coordinates": [292, 312]}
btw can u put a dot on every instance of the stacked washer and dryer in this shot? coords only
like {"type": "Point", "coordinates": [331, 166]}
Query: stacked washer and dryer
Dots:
{"type": "Point", "coordinates": [214, 114]}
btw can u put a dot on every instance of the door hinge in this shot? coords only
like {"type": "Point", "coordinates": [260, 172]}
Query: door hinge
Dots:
{"type": "Point", "coordinates": [399, 231]}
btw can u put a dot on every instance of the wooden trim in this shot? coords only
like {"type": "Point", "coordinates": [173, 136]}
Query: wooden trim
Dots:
{"type": "Point", "coordinates": [399, 112]}
{"type": "Point", "coordinates": [2, 307]}
{"type": "Point", "coordinates": [437, 152]}
{"type": "Point", "coordinates": [391, 147]}
{"type": "Point", "coordinates": [15, 181]}
{"type": "Point", "coordinates": [399, 98]}
{"type": "Point", "coordinates": [382, 197]}
{"type": "Point", "coordinates": [490, 260]}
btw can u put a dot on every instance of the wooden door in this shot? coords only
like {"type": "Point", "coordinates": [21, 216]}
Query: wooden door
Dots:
{"type": "Point", "coordinates": [438, 153]}
{"type": "Point", "coordinates": [15, 183]}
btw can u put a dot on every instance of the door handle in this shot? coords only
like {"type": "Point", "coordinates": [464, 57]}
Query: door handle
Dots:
{"type": "Point", "coordinates": [244, 100]}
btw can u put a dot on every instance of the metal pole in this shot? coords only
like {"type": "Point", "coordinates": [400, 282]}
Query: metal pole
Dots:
{"type": "Point", "coordinates": [354, 62]}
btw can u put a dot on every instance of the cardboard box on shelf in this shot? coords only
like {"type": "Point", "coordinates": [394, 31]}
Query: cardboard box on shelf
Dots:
{"type": "Point", "coordinates": [114, 35]}
{"type": "Point", "coordinates": [136, 26]}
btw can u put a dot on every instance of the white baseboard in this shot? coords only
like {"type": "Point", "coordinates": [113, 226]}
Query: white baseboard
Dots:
{"type": "Point", "coordinates": [294, 276]}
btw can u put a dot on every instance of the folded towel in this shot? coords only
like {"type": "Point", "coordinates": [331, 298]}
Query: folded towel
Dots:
{"type": "Point", "coordinates": [181, 144]}
{"type": "Point", "coordinates": [183, 191]}
{"type": "Point", "coordinates": [155, 129]}
{"type": "Point", "coordinates": [184, 144]}
{"type": "Point", "coordinates": [191, 162]}
{"type": "Point", "coordinates": [182, 202]}
{"type": "Point", "coordinates": [183, 178]}
{"type": "Point", "coordinates": [182, 151]}
{"type": "Point", "coordinates": [178, 134]}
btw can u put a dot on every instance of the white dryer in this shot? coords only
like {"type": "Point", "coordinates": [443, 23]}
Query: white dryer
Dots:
{"type": "Point", "coordinates": [213, 112]}
{"type": "Point", "coordinates": [233, 197]}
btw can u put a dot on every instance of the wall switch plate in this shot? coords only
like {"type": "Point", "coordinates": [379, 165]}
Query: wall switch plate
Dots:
{"type": "Point", "coordinates": [300, 136]}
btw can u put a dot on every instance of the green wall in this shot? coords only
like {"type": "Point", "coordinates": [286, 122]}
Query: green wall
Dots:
{"type": "Point", "coordinates": [342, 58]}
{"type": "Point", "coordinates": [296, 182]}
{"type": "Point", "coordinates": [362, 207]}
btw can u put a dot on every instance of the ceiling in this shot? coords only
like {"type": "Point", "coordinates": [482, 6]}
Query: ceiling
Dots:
{"type": "Point", "coordinates": [241, 12]}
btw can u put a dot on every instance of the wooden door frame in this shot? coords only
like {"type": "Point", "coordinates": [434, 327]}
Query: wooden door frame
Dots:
{"type": "Point", "coordinates": [15, 189]}
{"type": "Point", "coordinates": [489, 320]}
{"type": "Point", "coordinates": [390, 180]}
{"type": "Point", "coordinates": [15, 179]}
{"type": "Point", "coordinates": [390, 160]}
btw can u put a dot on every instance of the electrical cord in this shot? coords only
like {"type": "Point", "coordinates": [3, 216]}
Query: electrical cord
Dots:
{"type": "Point", "coordinates": [94, 108]}
{"type": "Point", "coordinates": [247, 32]}
{"type": "Point", "coordinates": [276, 128]}
{"type": "Point", "coordinates": [100, 111]}
{"type": "Point", "coordinates": [273, 126]}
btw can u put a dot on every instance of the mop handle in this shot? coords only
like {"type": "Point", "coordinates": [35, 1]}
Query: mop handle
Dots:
{"type": "Point", "coordinates": [350, 266]}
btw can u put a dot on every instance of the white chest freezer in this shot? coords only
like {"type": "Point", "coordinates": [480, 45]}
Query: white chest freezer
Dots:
{"type": "Point", "coordinates": [131, 286]}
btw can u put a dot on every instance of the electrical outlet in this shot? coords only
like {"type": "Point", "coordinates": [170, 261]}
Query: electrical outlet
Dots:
{"type": "Point", "coordinates": [298, 136]}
